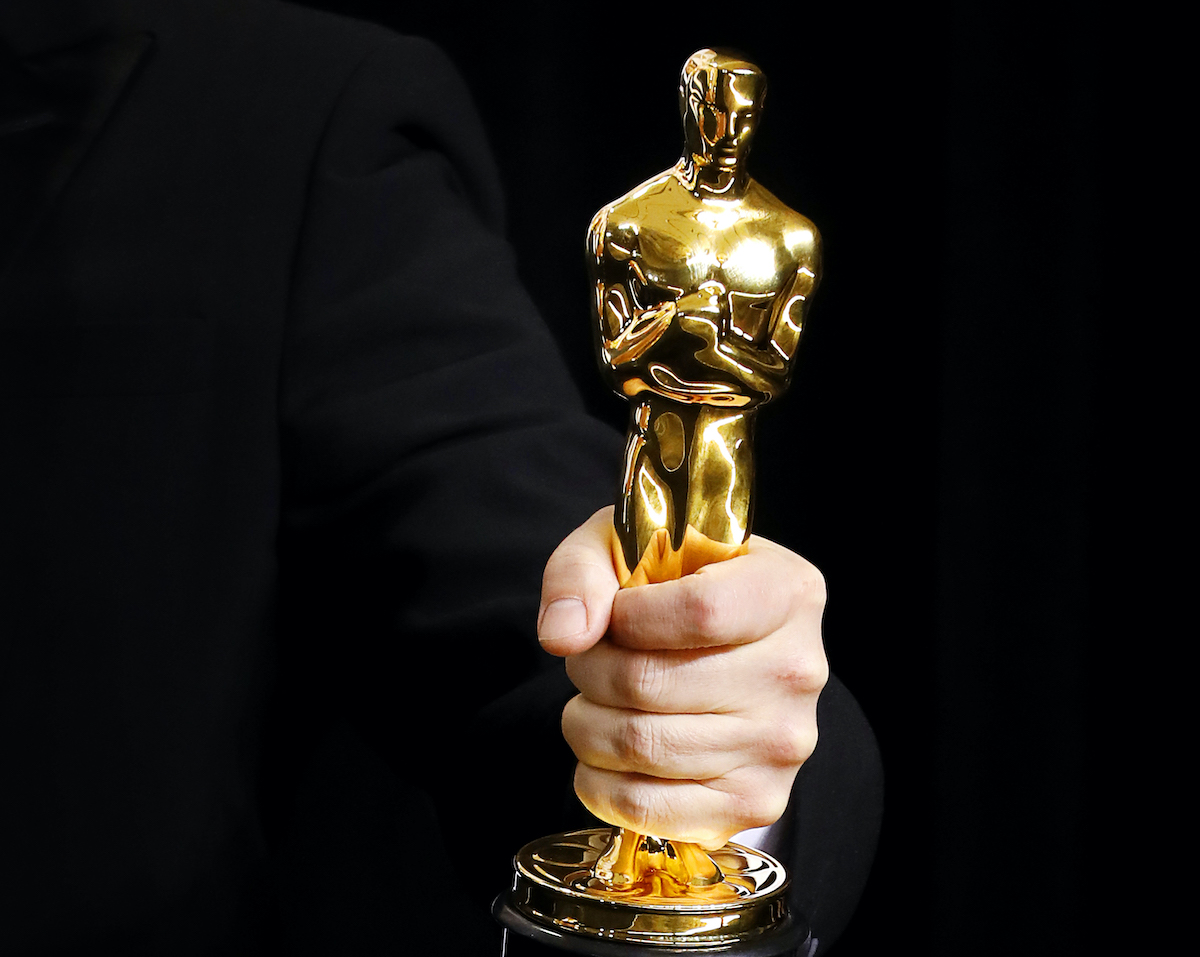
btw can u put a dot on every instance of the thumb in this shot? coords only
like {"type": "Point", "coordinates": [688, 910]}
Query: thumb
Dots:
{"type": "Point", "coordinates": [578, 586]}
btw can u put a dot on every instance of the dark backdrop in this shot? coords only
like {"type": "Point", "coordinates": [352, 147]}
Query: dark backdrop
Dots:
{"type": "Point", "coordinates": [935, 455]}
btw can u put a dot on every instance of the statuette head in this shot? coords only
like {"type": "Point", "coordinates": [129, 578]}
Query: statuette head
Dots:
{"type": "Point", "coordinates": [720, 99]}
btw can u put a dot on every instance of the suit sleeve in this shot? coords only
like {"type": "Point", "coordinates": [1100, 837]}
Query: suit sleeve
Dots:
{"type": "Point", "coordinates": [435, 450]}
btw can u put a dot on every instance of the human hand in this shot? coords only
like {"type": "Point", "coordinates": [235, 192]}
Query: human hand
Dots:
{"type": "Point", "coordinates": [698, 697]}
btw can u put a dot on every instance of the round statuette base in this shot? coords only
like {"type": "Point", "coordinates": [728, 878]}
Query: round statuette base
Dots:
{"type": "Point", "coordinates": [555, 903]}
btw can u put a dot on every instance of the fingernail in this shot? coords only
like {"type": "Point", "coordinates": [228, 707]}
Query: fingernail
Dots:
{"type": "Point", "coordinates": [563, 618]}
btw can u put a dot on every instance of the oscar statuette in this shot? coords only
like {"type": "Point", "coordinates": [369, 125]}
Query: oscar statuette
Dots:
{"type": "Point", "coordinates": [702, 280]}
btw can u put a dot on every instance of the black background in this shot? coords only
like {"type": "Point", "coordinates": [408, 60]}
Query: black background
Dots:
{"type": "Point", "coordinates": [938, 453]}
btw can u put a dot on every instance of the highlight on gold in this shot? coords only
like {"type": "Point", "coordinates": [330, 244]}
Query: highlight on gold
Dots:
{"type": "Point", "coordinates": [702, 279]}
{"type": "Point", "coordinates": [701, 282]}
{"type": "Point", "coordinates": [554, 885]}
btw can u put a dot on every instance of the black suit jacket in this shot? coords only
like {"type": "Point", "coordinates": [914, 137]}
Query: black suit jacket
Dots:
{"type": "Point", "coordinates": [286, 449]}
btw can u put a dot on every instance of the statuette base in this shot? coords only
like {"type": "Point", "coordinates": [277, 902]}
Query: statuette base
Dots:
{"type": "Point", "coordinates": [556, 904]}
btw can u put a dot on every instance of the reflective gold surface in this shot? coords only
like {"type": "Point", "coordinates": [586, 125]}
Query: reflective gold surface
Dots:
{"type": "Point", "coordinates": [554, 885]}
{"type": "Point", "coordinates": [702, 280]}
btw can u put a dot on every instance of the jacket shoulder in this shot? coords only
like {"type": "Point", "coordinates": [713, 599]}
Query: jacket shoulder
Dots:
{"type": "Point", "coordinates": [269, 47]}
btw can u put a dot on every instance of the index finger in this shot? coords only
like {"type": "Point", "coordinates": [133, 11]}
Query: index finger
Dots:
{"type": "Point", "coordinates": [738, 601]}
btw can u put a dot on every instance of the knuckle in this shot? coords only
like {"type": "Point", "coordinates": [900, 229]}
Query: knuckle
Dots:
{"type": "Point", "coordinates": [637, 742]}
{"type": "Point", "coordinates": [768, 807]}
{"type": "Point", "coordinates": [642, 681]}
{"type": "Point", "coordinates": [758, 806]}
{"type": "Point", "coordinates": [816, 589]}
{"type": "Point", "coordinates": [809, 587]}
{"type": "Point", "coordinates": [570, 570]}
{"type": "Point", "coordinates": [705, 609]}
{"type": "Point", "coordinates": [581, 561]}
{"type": "Point", "coordinates": [561, 564]}
{"type": "Point", "coordinates": [792, 743]}
{"type": "Point", "coordinates": [638, 806]}
{"type": "Point", "coordinates": [820, 673]}
{"type": "Point", "coordinates": [801, 674]}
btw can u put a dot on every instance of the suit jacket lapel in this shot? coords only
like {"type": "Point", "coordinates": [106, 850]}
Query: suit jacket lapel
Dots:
{"type": "Point", "coordinates": [107, 71]}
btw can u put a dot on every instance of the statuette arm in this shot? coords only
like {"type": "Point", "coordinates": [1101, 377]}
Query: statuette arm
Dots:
{"type": "Point", "coordinates": [791, 307]}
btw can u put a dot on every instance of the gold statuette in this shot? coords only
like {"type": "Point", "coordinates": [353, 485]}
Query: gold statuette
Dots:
{"type": "Point", "coordinates": [701, 282]}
